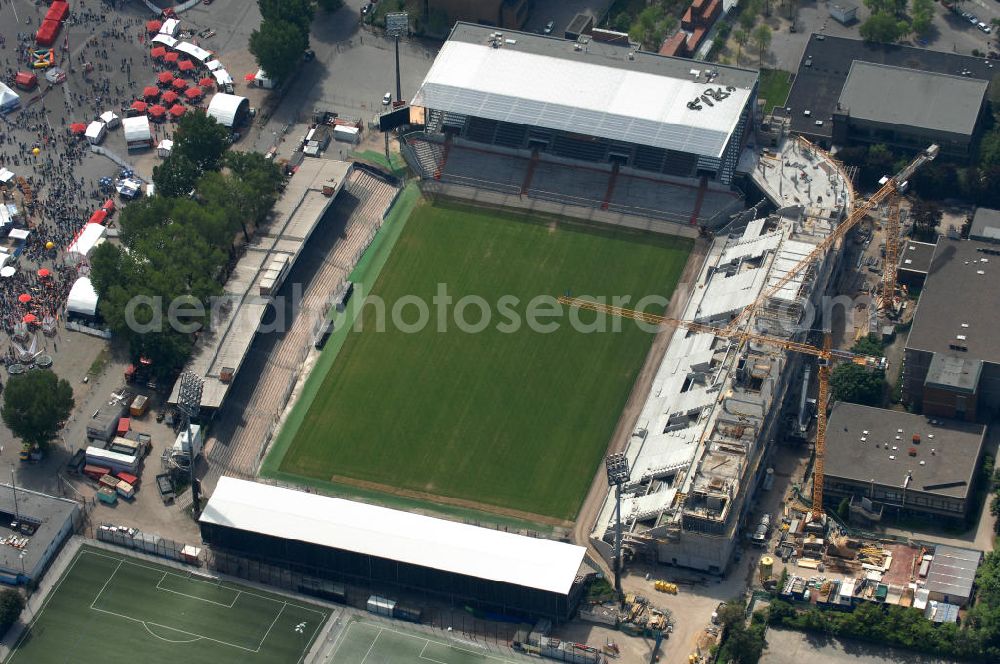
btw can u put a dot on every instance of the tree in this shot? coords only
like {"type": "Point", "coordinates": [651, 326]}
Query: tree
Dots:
{"type": "Point", "coordinates": [330, 5]}
{"type": "Point", "coordinates": [731, 613]}
{"type": "Point", "coordinates": [278, 48]}
{"type": "Point", "coordinates": [922, 15]}
{"type": "Point", "coordinates": [883, 28]}
{"type": "Point", "coordinates": [926, 217]}
{"type": "Point", "coordinates": [35, 406]}
{"type": "Point", "coordinates": [762, 38]}
{"type": "Point", "coordinates": [747, 20]}
{"type": "Point", "coordinates": [870, 345]}
{"type": "Point", "coordinates": [741, 36]}
{"type": "Point", "coordinates": [176, 176]}
{"type": "Point", "coordinates": [856, 384]}
{"type": "Point", "coordinates": [297, 12]}
{"type": "Point", "coordinates": [11, 605]}
{"type": "Point", "coordinates": [200, 138]}
{"type": "Point", "coordinates": [888, 7]}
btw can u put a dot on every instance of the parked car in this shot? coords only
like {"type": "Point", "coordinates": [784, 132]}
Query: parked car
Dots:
{"type": "Point", "coordinates": [548, 27]}
{"type": "Point", "coordinates": [386, 98]}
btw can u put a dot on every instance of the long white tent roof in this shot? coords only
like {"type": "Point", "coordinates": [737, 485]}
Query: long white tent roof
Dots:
{"type": "Point", "coordinates": [224, 107]}
{"type": "Point", "coordinates": [512, 83]}
{"type": "Point", "coordinates": [82, 297]}
{"type": "Point", "coordinates": [395, 535]}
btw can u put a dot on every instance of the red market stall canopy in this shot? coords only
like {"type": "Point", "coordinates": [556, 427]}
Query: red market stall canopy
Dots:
{"type": "Point", "coordinates": [25, 80]}
{"type": "Point", "coordinates": [109, 205]}
{"type": "Point", "coordinates": [169, 97]}
{"type": "Point", "coordinates": [157, 111]}
{"type": "Point", "coordinates": [180, 84]}
{"type": "Point", "coordinates": [78, 128]}
{"type": "Point", "coordinates": [165, 78]}
{"type": "Point", "coordinates": [177, 110]}
{"type": "Point", "coordinates": [153, 26]}
{"type": "Point", "coordinates": [157, 52]}
{"type": "Point", "coordinates": [98, 217]}
{"type": "Point", "coordinates": [47, 33]}
{"type": "Point", "coordinates": [193, 93]}
{"type": "Point", "coordinates": [139, 106]}
{"type": "Point", "coordinates": [185, 65]}
{"type": "Point", "coordinates": [24, 298]}
{"type": "Point", "coordinates": [43, 273]}
{"type": "Point", "coordinates": [172, 57]}
{"type": "Point", "coordinates": [150, 92]}
{"type": "Point", "coordinates": [207, 82]}
{"type": "Point", "coordinates": [58, 11]}
{"type": "Point", "coordinates": [30, 318]}
{"type": "Point", "coordinates": [249, 77]}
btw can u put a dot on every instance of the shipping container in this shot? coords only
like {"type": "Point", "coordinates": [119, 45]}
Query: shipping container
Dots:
{"type": "Point", "coordinates": [124, 446]}
{"type": "Point", "coordinates": [109, 481]}
{"type": "Point", "coordinates": [117, 462]}
{"type": "Point", "coordinates": [125, 490]}
{"type": "Point", "coordinates": [106, 495]}
{"type": "Point", "coordinates": [346, 134]}
{"type": "Point", "coordinates": [381, 606]}
{"type": "Point", "coordinates": [128, 477]}
{"type": "Point", "coordinates": [95, 472]}
{"type": "Point", "coordinates": [104, 423]}
{"type": "Point", "coordinates": [139, 406]}
{"type": "Point", "coordinates": [123, 425]}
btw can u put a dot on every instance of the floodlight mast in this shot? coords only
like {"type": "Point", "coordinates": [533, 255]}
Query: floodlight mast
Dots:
{"type": "Point", "coordinates": [189, 403]}
{"type": "Point", "coordinates": [618, 474]}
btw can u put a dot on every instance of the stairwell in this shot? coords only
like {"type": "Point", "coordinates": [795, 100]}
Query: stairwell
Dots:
{"type": "Point", "coordinates": [612, 180]}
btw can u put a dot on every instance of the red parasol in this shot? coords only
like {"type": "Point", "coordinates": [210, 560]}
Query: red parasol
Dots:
{"type": "Point", "coordinates": [193, 93]}
{"type": "Point", "coordinates": [78, 128]}
{"type": "Point", "coordinates": [172, 57]}
{"type": "Point", "coordinates": [249, 77]}
{"type": "Point", "coordinates": [150, 92]}
{"type": "Point", "coordinates": [169, 97]}
{"type": "Point", "coordinates": [177, 110]}
{"type": "Point", "coordinates": [139, 106]}
{"type": "Point", "coordinates": [165, 78]}
{"type": "Point", "coordinates": [30, 318]}
{"type": "Point", "coordinates": [157, 52]}
{"type": "Point", "coordinates": [185, 65]}
{"type": "Point", "coordinates": [157, 111]}
{"type": "Point", "coordinates": [24, 298]}
{"type": "Point", "coordinates": [207, 82]}
{"type": "Point", "coordinates": [153, 26]}
{"type": "Point", "coordinates": [43, 273]}
{"type": "Point", "coordinates": [180, 84]}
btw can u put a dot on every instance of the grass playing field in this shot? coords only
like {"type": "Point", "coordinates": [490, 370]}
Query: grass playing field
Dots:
{"type": "Point", "coordinates": [109, 607]}
{"type": "Point", "coordinates": [364, 642]}
{"type": "Point", "coordinates": [516, 419]}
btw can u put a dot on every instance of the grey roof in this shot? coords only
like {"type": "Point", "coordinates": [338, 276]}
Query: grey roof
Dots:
{"type": "Point", "coordinates": [916, 256]}
{"type": "Point", "coordinates": [953, 571]}
{"type": "Point", "coordinates": [911, 97]}
{"type": "Point", "coordinates": [49, 513]}
{"type": "Point", "coordinates": [947, 472]}
{"type": "Point", "coordinates": [959, 299]}
{"type": "Point", "coordinates": [959, 374]}
{"type": "Point", "coordinates": [985, 225]}
{"type": "Point", "coordinates": [818, 86]}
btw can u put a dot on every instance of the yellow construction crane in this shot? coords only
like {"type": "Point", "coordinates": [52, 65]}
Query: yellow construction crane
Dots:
{"type": "Point", "coordinates": [890, 187]}
{"type": "Point", "coordinates": [826, 355]}
{"type": "Point", "coordinates": [888, 299]}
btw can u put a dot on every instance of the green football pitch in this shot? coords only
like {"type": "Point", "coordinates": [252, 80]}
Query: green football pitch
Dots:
{"type": "Point", "coordinates": [111, 608]}
{"type": "Point", "coordinates": [364, 642]}
{"type": "Point", "coordinates": [511, 418]}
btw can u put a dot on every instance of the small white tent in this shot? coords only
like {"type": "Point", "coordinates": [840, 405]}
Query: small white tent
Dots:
{"type": "Point", "coordinates": [82, 298]}
{"type": "Point", "coordinates": [9, 100]}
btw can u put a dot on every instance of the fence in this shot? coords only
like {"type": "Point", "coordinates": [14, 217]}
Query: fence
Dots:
{"type": "Point", "coordinates": [137, 540]}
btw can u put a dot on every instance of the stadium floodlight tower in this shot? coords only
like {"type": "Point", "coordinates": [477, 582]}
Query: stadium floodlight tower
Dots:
{"type": "Point", "coordinates": [618, 474]}
{"type": "Point", "coordinates": [189, 403]}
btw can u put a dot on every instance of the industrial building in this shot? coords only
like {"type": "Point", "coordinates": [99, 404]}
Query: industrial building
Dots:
{"type": "Point", "coordinates": [892, 462]}
{"type": "Point", "coordinates": [881, 92]}
{"type": "Point", "coordinates": [909, 109]}
{"type": "Point", "coordinates": [388, 550]}
{"type": "Point", "coordinates": [587, 101]}
{"type": "Point", "coordinates": [38, 526]}
{"type": "Point", "coordinates": [952, 574]}
{"type": "Point", "coordinates": [951, 361]}
{"type": "Point", "coordinates": [914, 263]}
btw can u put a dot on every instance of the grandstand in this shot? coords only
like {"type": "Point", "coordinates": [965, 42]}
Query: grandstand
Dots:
{"type": "Point", "coordinates": [544, 117]}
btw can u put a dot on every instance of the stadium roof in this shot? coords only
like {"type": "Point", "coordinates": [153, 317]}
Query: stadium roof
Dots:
{"type": "Point", "coordinates": [949, 471]}
{"type": "Point", "coordinates": [953, 571]}
{"type": "Point", "coordinates": [224, 108]}
{"type": "Point", "coordinates": [913, 98]}
{"type": "Point", "coordinates": [598, 90]}
{"type": "Point", "coordinates": [395, 535]}
{"type": "Point", "coordinates": [959, 300]}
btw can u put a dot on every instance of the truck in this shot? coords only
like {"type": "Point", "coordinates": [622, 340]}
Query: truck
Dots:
{"type": "Point", "coordinates": [103, 425]}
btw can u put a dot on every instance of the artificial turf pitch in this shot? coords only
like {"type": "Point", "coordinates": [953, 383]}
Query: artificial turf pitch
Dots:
{"type": "Point", "coordinates": [110, 607]}
{"type": "Point", "coordinates": [516, 420]}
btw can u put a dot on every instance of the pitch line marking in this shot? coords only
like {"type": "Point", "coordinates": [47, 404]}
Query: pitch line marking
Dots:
{"type": "Point", "coordinates": [200, 599]}
{"type": "Point", "coordinates": [180, 631]}
{"type": "Point", "coordinates": [105, 586]}
{"type": "Point", "coordinates": [372, 646]}
{"type": "Point", "coordinates": [273, 622]}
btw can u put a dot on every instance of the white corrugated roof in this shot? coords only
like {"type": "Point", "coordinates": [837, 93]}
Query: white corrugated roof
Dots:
{"type": "Point", "coordinates": [580, 97]}
{"type": "Point", "coordinates": [137, 129]}
{"type": "Point", "coordinates": [224, 107]}
{"type": "Point", "coordinates": [396, 535]}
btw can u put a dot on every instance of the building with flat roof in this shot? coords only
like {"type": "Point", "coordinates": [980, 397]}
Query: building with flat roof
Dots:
{"type": "Point", "coordinates": [588, 101]}
{"type": "Point", "coordinates": [827, 63]}
{"type": "Point", "coordinates": [985, 225]}
{"type": "Point", "coordinates": [381, 548]}
{"type": "Point", "coordinates": [952, 573]}
{"type": "Point", "coordinates": [44, 523]}
{"type": "Point", "coordinates": [914, 262]}
{"type": "Point", "coordinates": [951, 361]}
{"type": "Point", "coordinates": [908, 108]}
{"type": "Point", "coordinates": [892, 460]}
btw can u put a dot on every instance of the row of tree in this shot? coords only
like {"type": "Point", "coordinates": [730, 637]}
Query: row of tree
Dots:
{"type": "Point", "coordinates": [889, 21]}
{"type": "Point", "coordinates": [178, 247]}
{"type": "Point", "coordinates": [283, 36]}
{"type": "Point", "coordinates": [977, 639]}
